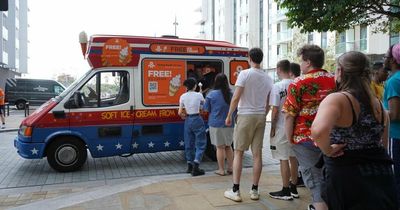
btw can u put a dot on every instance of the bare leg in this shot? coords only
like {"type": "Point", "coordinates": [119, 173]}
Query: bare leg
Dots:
{"type": "Point", "coordinates": [237, 166]}
{"type": "Point", "coordinates": [221, 159]}
{"type": "Point", "coordinates": [294, 166]}
{"type": "Point", "coordinates": [229, 157]}
{"type": "Point", "coordinates": [257, 166]}
{"type": "Point", "coordinates": [285, 172]}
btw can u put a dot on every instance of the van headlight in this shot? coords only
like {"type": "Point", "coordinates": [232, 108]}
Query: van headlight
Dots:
{"type": "Point", "coordinates": [25, 131]}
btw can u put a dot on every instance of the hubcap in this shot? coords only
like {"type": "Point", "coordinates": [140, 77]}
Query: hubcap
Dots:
{"type": "Point", "coordinates": [66, 155]}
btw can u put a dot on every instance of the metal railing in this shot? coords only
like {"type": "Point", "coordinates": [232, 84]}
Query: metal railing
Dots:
{"type": "Point", "coordinates": [26, 111]}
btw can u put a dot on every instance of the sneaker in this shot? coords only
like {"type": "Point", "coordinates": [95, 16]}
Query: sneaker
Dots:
{"type": "Point", "coordinates": [235, 196]}
{"type": "Point", "coordinates": [254, 194]}
{"type": "Point", "coordinates": [3, 127]}
{"type": "Point", "coordinates": [300, 182]}
{"type": "Point", "coordinates": [283, 194]}
{"type": "Point", "coordinates": [293, 190]}
{"type": "Point", "coordinates": [310, 207]}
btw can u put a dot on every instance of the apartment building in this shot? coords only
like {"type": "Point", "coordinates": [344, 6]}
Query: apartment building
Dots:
{"type": "Point", "coordinates": [262, 23]}
{"type": "Point", "coordinates": [14, 40]}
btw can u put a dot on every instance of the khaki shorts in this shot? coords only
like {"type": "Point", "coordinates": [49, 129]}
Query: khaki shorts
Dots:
{"type": "Point", "coordinates": [249, 130]}
{"type": "Point", "coordinates": [281, 149]}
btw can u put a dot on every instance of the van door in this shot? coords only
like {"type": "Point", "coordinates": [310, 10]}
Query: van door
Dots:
{"type": "Point", "coordinates": [39, 91]}
{"type": "Point", "coordinates": [102, 113]}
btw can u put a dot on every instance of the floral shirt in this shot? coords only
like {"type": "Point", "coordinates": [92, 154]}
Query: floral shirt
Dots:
{"type": "Point", "coordinates": [304, 96]}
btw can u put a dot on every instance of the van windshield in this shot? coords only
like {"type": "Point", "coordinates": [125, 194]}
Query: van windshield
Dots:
{"type": "Point", "coordinates": [71, 86]}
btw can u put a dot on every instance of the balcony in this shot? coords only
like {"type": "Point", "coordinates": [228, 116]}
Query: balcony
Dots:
{"type": "Point", "coordinates": [282, 37]}
{"type": "Point", "coordinates": [358, 45]}
{"type": "Point", "coordinates": [279, 16]}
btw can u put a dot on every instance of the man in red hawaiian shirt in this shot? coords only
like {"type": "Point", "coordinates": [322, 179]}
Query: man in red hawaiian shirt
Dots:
{"type": "Point", "coordinates": [301, 105]}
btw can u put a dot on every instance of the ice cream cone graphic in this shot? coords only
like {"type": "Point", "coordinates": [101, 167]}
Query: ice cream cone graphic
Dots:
{"type": "Point", "coordinates": [123, 54]}
{"type": "Point", "coordinates": [174, 85]}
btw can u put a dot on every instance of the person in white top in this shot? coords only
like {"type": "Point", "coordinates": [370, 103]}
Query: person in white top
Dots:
{"type": "Point", "coordinates": [251, 99]}
{"type": "Point", "coordinates": [280, 146]}
{"type": "Point", "coordinates": [194, 130]}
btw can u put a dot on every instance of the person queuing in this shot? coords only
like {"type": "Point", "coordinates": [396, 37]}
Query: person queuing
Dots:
{"type": "Point", "coordinates": [251, 100]}
{"type": "Point", "coordinates": [217, 104]}
{"type": "Point", "coordinates": [304, 96]}
{"type": "Point", "coordinates": [379, 76]}
{"type": "Point", "coordinates": [280, 146]}
{"type": "Point", "coordinates": [391, 102]}
{"type": "Point", "coordinates": [190, 104]}
{"type": "Point", "coordinates": [351, 130]}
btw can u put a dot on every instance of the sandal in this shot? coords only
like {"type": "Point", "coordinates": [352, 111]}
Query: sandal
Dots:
{"type": "Point", "coordinates": [218, 173]}
{"type": "Point", "coordinates": [229, 172]}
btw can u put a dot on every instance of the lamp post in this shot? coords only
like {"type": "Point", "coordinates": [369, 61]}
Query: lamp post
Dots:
{"type": "Point", "coordinates": [175, 24]}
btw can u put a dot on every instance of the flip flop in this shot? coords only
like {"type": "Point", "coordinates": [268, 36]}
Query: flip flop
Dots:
{"type": "Point", "coordinates": [218, 173]}
{"type": "Point", "coordinates": [229, 172]}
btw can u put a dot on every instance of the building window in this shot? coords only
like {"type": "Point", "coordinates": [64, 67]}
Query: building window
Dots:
{"type": "Point", "coordinates": [4, 45]}
{"type": "Point", "coordinates": [341, 45]}
{"type": "Point", "coordinates": [310, 38]}
{"type": "Point", "coordinates": [278, 49]}
{"type": "Point", "coordinates": [4, 21]}
{"type": "Point", "coordinates": [324, 40]}
{"type": "Point", "coordinates": [363, 37]}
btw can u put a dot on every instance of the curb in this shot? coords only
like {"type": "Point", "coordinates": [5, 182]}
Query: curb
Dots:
{"type": "Point", "coordinates": [9, 130]}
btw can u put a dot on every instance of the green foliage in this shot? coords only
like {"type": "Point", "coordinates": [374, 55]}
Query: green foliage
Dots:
{"type": "Point", "coordinates": [340, 15]}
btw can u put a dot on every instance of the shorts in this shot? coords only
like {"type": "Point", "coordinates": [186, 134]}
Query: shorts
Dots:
{"type": "Point", "coordinates": [281, 149]}
{"type": "Point", "coordinates": [1, 109]}
{"type": "Point", "coordinates": [312, 176]}
{"type": "Point", "coordinates": [249, 130]}
{"type": "Point", "coordinates": [221, 136]}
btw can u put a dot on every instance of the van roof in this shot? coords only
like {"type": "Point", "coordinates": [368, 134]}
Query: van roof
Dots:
{"type": "Point", "coordinates": [114, 50]}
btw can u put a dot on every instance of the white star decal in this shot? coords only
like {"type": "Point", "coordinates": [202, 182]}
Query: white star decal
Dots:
{"type": "Point", "coordinates": [99, 147]}
{"type": "Point", "coordinates": [151, 145]}
{"type": "Point", "coordinates": [166, 144]}
{"type": "Point", "coordinates": [34, 151]}
{"type": "Point", "coordinates": [118, 146]}
{"type": "Point", "coordinates": [135, 145]}
{"type": "Point", "coordinates": [181, 143]}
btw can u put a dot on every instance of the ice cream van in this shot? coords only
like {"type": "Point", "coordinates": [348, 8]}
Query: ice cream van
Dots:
{"type": "Point", "coordinates": [127, 102]}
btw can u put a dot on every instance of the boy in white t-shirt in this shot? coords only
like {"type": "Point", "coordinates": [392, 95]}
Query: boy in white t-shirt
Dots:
{"type": "Point", "coordinates": [280, 145]}
{"type": "Point", "coordinates": [194, 130]}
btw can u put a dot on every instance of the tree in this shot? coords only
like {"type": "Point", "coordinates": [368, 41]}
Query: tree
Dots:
{"type": "Point", "coordinates": [340, 15]}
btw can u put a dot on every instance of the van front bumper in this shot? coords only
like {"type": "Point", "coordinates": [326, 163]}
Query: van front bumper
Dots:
{"type": "Point", "coordinates": [29, 150]}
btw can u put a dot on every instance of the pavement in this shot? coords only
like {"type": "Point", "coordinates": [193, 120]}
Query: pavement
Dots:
{"type": "Point", "coordinates": [171, 191]}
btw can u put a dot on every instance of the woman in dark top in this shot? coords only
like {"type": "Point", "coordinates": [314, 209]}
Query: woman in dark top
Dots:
{"type": "Point", "coordinates": [351, 130]}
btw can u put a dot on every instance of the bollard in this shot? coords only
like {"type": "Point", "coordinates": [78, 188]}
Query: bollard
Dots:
{"type": "Point", "coordinates": [27, 109]}
{"type": "Point", "coordinates": [8, 108]}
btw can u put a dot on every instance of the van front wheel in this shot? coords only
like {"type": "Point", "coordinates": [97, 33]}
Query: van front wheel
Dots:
{"type": "Point", "coordinates": [66, 154]}
{"type": "Point", "coordinates": [20, 104]}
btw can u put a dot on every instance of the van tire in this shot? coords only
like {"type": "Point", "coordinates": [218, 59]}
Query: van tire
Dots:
{"type": "Point", "coordinates": [20, 104]}
{"type": "Point", "coordinates": [66, 154]}
{"type": "Point", "coordinates": [211, 150]}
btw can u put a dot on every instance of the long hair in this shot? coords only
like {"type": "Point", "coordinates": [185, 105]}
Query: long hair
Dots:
{"type": "Point", "coordinates": [221, 83]}
{"type": "Point", "coordinates": [356, 77]}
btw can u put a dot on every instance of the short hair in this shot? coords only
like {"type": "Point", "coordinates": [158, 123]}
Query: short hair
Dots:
{"type": "Point", "coordinates": [284, 65]}
{"type": "Point", "coordinates": [256, 55]}
{"type": "Point", "coordinates": [295, 69]}
{"type": "Point", "coordinates": [377, 65]}
{"type": "Point", "coordinates": [313, 53]}
{"type": "Point", "coordinates": [189, 83]}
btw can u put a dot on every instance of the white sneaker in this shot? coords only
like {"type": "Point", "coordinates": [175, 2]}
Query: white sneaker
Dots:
{"type": "Point", "coordinates": [254, 194]}
{"type": "Point", "coordinates": [235, 196]}
{"type": "Point", "coordinates": [2, 127]}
